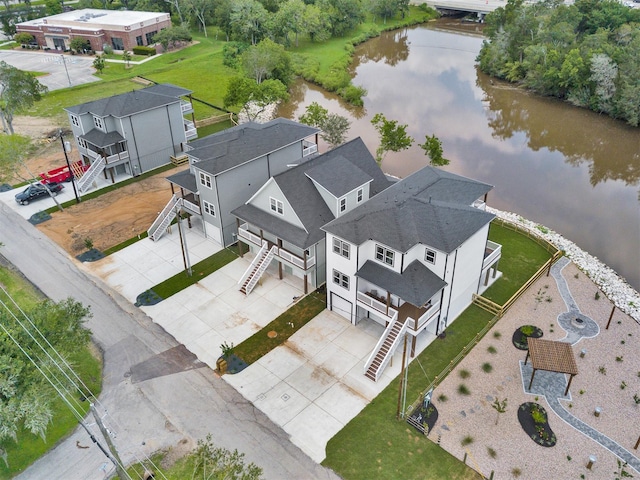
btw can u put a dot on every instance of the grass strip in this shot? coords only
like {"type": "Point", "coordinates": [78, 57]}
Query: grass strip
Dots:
{"type": "Point", "coordinates": [181, 280]}
{"type": "Point", "coordinates": [285, 325]}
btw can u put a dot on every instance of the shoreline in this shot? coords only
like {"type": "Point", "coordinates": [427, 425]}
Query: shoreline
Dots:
{"type": "Point", "coordinates": [623, 296]}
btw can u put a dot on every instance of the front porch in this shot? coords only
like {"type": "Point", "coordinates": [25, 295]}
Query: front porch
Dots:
{"type": "Point", "coordinates": [290, 260]}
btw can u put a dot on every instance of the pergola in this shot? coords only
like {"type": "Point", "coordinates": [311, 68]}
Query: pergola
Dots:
{"type": "Point", "coordinates": [551, 356]}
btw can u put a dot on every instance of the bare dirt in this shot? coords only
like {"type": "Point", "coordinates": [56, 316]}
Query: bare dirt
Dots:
{"type": "Point", "coordinates": [107, 220]}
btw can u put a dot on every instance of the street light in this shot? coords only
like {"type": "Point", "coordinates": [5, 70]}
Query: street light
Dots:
{"type": "Point", "coordinates": [65, 68]}
{"type": "Point", "coordinates": [66, 156]}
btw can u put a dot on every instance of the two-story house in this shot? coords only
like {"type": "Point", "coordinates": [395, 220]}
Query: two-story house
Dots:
{"type": "Point", "coordinates": [228, 167]}
{"type": "Point", "coordinates": [131, 133]}
{"type": "Point", "coordinates": [282, 222]}
{"type": "Point", "coordinates": [411, 258]}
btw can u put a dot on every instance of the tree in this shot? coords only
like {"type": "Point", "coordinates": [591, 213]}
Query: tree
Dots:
{"type": "Point", "coordinates": [604, 73]}
{"type": "Point", "coordinates": [23, 38]}
{"type": "Point", "coordinates": [78, 44]}
{"type": "Point", "coordinates": [290, 18]}
{"type": "Point", "coordinates": [248, 18]}
{"type": "Point", "coordinates": [13, 150]}
{"type": "Point", "coordinates": [500, 407]}
{"type": "Point", "coordinates": [201, 9]}
{"type": "Point", "coordinates": [126, 57]}
{"type": "Point", "coordinates": [25, 395]}
{"type": "Point", "coordinates": [169, 37]}
{"type": "Point", "coordinates": [267, 59]}
{"type": "Point", "coordinates": [254, 98]}
{"type": "Point", "coordinates": [316, 23]}
{"type": "Point", "coordinates": [432, 147]}
{"type": "Point", "coordinates": [334, 127]}
{"type": "Point", "coordinates": [98, 63]}
{"type": "Point", "coordinates": [53, 7]}
{"type": "Point", "coordinates": [18, 90]}
{"type": "Point", "coordinates": [344, 15]}
{"type": "Point", "coordinates": [212, 462]}
{"type": "Point", "coordinates": [393, 137]}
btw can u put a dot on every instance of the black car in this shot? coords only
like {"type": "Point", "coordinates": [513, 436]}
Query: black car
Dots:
{"type": "Point", "coordinates": [37, 190]}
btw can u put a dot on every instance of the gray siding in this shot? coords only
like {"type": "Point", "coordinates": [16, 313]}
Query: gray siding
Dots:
{"type": "Point", "coordinates": [263, 202]}
{"type": "Point", "coordinates": [279, 159]}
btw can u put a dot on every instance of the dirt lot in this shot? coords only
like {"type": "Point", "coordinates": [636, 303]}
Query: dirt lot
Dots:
{"type": "Point", "coordinates": [107, 220]}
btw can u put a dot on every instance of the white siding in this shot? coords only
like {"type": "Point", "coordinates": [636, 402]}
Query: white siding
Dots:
{"type": "Point", "coordinates": [262, 201]}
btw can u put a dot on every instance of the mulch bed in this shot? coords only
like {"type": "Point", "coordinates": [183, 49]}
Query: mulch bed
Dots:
{"type": "Point", "coordinates": [519, 339]}
{"type": "Point", "coordinates": [39, 217]}
{"type": "Point", "coordinates": [90, 255]}
{"type": "Point", "coordinates": [235, 364]}
{"type": "Point", "coordinates": [148, 297]}
{"type": "Point", "coordinates": [424, 419]}
{"type": "Point", "coordinates": [542, 435]}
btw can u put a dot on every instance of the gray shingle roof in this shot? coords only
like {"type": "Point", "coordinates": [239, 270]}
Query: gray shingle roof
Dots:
{"type": "Point", "coordinates": [430, 207]}
{"type": "Point", "coordinates": [416, 284]}
{"type": "Point", "coordinates": [132, 102]}
{"type": "Point", "coordinates": [184, 179]}
{"type": "Point", "coordinates": [101, 139]}
{"type": "Point", "coordinates": [224, 150]}
{"type": "Point", "coordinates": [339, 176]}
{"type": "Point", "coordinates": [305, 199]}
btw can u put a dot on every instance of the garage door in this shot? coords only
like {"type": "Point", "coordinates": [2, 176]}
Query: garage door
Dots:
{"type": "Point", "coordinates": [341, 306]}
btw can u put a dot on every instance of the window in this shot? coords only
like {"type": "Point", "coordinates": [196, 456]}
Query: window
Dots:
{"type": "Point", "coordinates": [150, 36]}
{"type": "Point", "coordinates": [430, 256]}
{"type": "Point", "coordinates": [276, 206]}
{"type": "Point", "coordinates": [340, 247]}
{"type": "Point", "coordinates": [75, 121]}
{"type": "Point", "coordinates": [205, 180]}
{"type": "Point", "coordinates": [384, 255]}
{"type": "Point", "coordinates": [341, 279]}
{"type": "Point", "coordinates": [139, 41]}
{"type": "Point", "coordinates": [97, 121]}
{"type": "Point", "coordinates": [209, 208]}
{"type": "Point", "coordinates": [360, 195]}
{"type": "Point", "coordinates": [343, 204]}
{"type": "Point", "coordinates": [81, 142]}
{"type": "Point", "coordinates": [117, 43]}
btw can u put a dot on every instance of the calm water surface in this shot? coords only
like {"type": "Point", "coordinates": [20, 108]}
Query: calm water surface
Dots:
{"type": "Point", "coordinates": [572, 170]}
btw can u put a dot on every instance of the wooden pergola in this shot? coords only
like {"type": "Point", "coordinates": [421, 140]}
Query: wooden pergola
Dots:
{"type": "Point", "coordinates": [551, 356]}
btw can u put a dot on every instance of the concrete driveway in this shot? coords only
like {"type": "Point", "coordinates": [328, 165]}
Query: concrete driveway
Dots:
{"type": "Point", "coordinates": [311, 386]}
{"type": "Point", "coordinates": [80, 68]}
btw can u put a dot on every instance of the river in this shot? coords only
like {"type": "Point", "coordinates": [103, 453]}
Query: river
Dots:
{"type": "Point", "coordinates": [569, 169]}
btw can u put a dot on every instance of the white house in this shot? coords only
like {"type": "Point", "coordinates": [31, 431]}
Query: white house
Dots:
{"type": "Point", "coordinates": [411, 257]}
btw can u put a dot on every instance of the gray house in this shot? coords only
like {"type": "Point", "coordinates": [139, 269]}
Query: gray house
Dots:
{"type": "Point", "coordinates": [227, 168]}
{"type": "Point", "coordinates": [282, 222]}
{"type": "Point", "coordinates": [131, 133]}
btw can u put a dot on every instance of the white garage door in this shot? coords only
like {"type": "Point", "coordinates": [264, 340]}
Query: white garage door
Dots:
{"type": "Point", "coordinates": [341, 306]}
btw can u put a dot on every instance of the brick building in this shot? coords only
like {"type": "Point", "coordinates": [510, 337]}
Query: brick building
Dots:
{"type": "Point", "coordinates": [121, 29]}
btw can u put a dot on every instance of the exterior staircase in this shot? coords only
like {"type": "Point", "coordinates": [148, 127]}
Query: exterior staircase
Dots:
{"type": "Point", "coordinates": [160, 224]}
{"type": "Point", "coordinates": [384, 350]}
{"type": "Point", "coordinates": [85, 181]}
{"type": "Point", "coordinates": [259, 265]}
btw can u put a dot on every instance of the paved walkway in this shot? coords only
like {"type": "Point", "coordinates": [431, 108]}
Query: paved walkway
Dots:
{"type": "Point", "coordinates": [551, 385]}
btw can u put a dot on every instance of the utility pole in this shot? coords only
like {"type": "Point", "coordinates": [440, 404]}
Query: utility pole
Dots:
{"type": "Point", "coordinates": [183, 243]}
{"type": "Point", "coordinates": [73, 177]}
{"type": "Point", "coordinates": [64, 62]}
{"type": "Point", "coordinates": [403, 381]}
{"type": "Point", "coordinates": [122, 474]}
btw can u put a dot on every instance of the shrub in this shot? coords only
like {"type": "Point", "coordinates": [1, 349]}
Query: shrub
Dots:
{"type": "Point", "coordinates": [107, 49]}
{"type": "Point", "coordinates": [487, 367]}
{"type": "Point", "coordinates": [602, 369]}
{"type": "Point", "coordinates": [353, 94]}
{"type": "Point", "coordinates": [492, 349]}
{"type": "Point", "coordinates": [442, 398]}
{"type": "Point", "coordinates": [463, 389]}
{"type": "Point", "coordinates": [527, 330]}
{"type": "Point", "coordinates": [231, 53]}
{"type": "Point", "coordinates": [619, 359]}
{"type": "Point", "coordinates": [468, 440]}
{"type": "Point", "coordinates": [516, 472]}
{"type": "Point", "coordinates": [492, 453]}
{"type": "Point", "coordinates": [496, 334]}
{"type": "Point", "coordinates": [144, 50]}
{"type": "Point", "coordinates": [464, 373]}
{"type": "Point", "coordinates": [23, 38]}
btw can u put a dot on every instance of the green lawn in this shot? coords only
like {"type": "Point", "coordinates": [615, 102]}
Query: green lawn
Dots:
{"type": "Point", "coordinates": [521, 258]}
{"type": "Point", "coordinates": [29, 448]}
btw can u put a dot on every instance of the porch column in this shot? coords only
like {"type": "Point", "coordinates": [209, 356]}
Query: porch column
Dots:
{"type": "Point", "coordinates": [113, 180]}
{"type": "Point", "coordinates": [240, 252]}
{"type": "Point", "coordinates": [495, 268]}
{"type": "Point", "coordinates": [413, 344]}
{"type": "Point", "coordinates": [173, 192]}
{"type": "Point", "coordinates": [193, 113]}
{"type": "Point", "coordinates": [304, 264]}
{"type": "Point", "coordinates": [279, 262]}
{"type": "Point", "coordinates": [486, 278]}
{"type": "Point", "coordinates": [388, 302]}
{"type": "Point", "coordinates": [261, 237]}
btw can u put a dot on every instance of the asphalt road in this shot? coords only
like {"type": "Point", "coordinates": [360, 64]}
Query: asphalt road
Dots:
{"type": "Point", "coordinates": [153, 410]}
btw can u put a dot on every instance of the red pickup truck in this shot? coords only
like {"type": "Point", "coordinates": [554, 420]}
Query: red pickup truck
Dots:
{"type": "Point", "coordinates": [62, 174]}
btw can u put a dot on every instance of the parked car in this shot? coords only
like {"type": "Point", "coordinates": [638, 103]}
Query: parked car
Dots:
{"type": "Point", "coordinates": [37, 190]}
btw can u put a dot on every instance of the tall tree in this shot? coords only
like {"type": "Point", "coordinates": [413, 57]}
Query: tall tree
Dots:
{"type": "Point", "coordinates": [254, 98]}
{"type": "Point", "coordinates": [393, 137]}
{"type": "Point", "coordinates": [432, 147]}
{"type": "Point", "coordinates": [248, 19]}
{"type": "Point", "coordinates": [13, 150]}
{"type": "Point", "coordinates": [18, 91]}
{"type": "Point", "coordinates": [290, 18]}
{"type": "Point", "coordinates": [267, 59]}
{"type": "Point", "coordinates": [344, 15]}
{"type": "Point", "coordinates": [316, 23]}
{"type": "Point", "coordinates": [201, 9]}
{"type": "Point", "coordinates": [333, 127]}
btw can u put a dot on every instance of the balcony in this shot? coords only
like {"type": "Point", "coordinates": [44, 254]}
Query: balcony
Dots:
{"type": "Point", "coordinates": [370, 301]}
{"type": "Point", "coordinates": [190, 130]}
{"type": "Point", "coordinates": [492, 253]}
{"type": "Point", "coordinates": [191, 205]}
{"type": "Point", "coordinates": [308, 148]}
{"type": "Point", "coordinates": [416, 317]}
{"type": "Point", "coordinates": [281, 253]}
{"type": "Point", "coordinates": [111, 159]}
{"type": "Point", "coordinates": [480, 205]}
{"type": "Point", "coordinates": [186, 107]}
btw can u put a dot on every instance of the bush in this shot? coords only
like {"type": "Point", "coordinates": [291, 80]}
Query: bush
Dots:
{"type": "Point", "coordinates": [464, 373]}
{"type": "Point", "coordinates": [468, 440]}
{"type": "Point", "coordinates": [463, 389]}
{"type": "Point", "coordinates": [107, 49]}
{"type": "Point", "coordinates": [231, 53]}
{"type": "Point", "coordinates": [23, 38]}
{"type": "Point", "coordinates": [353, 94]}
{"type": "Point", "coordinates": [487, 367]}
{"type": "Point", "coordinates": [144, 50]}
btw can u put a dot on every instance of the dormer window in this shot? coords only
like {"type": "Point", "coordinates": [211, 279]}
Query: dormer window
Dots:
{"type": "Point", "coordinates": [97, 121]}
{"type": "Point", "coordinates": [276, 206]}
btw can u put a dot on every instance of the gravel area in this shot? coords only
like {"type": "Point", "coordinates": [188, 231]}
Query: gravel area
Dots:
{"type": "Point", "coordinates": [513, 454]}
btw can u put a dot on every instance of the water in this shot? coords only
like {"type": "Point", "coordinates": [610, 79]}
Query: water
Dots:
{"type": "Point", "coordinates": [569, 169]}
